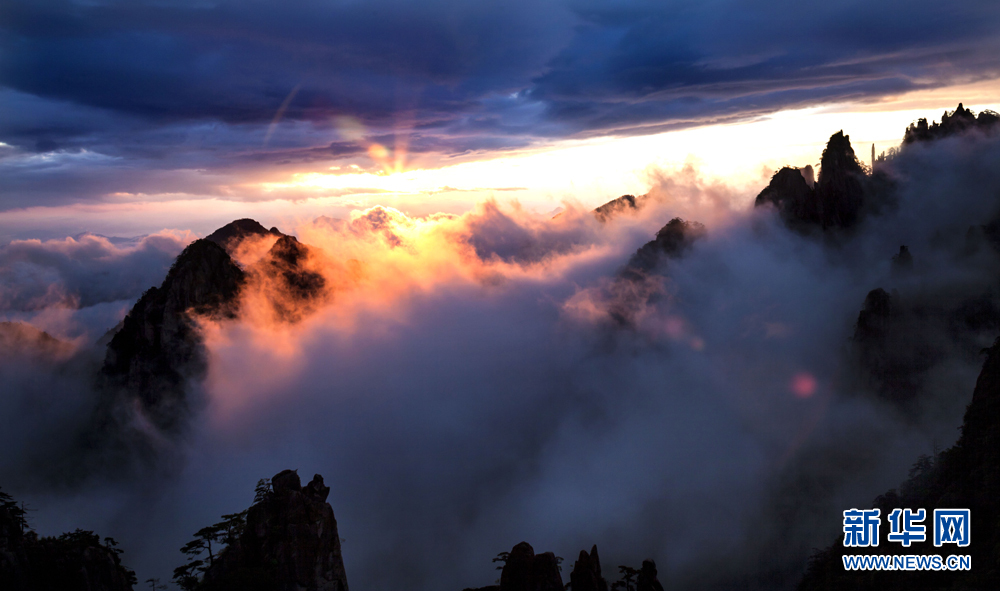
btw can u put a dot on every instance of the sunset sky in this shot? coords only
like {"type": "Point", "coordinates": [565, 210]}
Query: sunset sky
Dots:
{"type": "Point", "coordinates": [125, 118]}
{"type": "Point", "coordinates": [467, 354]}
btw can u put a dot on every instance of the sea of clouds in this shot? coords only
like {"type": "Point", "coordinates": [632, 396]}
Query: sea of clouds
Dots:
{"type": "Point", "coordinates": [462, 388]}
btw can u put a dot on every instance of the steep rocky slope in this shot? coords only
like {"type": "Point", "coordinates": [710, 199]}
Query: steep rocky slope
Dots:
{"type": "Point", "coordinates": [158, 349]}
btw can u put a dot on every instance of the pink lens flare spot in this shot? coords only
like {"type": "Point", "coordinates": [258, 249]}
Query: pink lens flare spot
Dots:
{"type": "Point", "coordinates": [803, 385]}
{"type": "Point", "coordinates": [674, 327]}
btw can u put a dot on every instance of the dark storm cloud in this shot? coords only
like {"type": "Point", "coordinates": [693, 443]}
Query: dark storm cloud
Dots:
{"type": "Point", "coordinates": [226, 86]}
{"type": "Point", "coordinates": [649, 63]}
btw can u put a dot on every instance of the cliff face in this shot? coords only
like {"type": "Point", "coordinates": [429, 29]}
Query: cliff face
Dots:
{"type": "Point", "coordinates": [290, 543]}
{"type": "Point", "coordinates": [966, 475]}
{"type": "Point", "coordinates": [72, 561]}
{"type": "Point", "coordinates": [794, 198]}
{"type": "Point", "coordinates": [158, 349]}
{"type": "Point", "coordinates": [840, 189]}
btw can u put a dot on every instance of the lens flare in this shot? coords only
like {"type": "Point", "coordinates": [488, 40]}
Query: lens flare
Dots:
{"type": "Point", "coordinates": [803, 385]}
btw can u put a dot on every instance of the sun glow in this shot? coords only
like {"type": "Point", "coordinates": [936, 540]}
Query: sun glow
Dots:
{"type": "Point", "coordinates": [593, 171]}
{"type": "Point", "coordinates": [543, 178]}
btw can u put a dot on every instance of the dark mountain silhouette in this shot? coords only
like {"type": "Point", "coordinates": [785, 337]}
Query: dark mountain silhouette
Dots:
{"type": "Point", "coordinates": [70, 562]}
{"type": "Point", "coordinates": [646, 579]}
{"type": "Point", "coordinates": [884, 344]}
{"type": "Point", "coordinates": [902, 262]}
{"type": "Point", "coordinates": [967, 475]}
{"type": "Point", "coordinates": [586, 574]}
{"type": "Point", "coordinates": [671, 241]}
{"type": "Point", "coordinates": [794, 198]}
{"type": "Point", "coordinates": [841, 197]}
{"type": "Point", "coordinates": [158, 349]}
{"type": "Point", "coordinates": [898, 338]}
{"type": "Point", "coordinates": [286, 541]}
{"type": "Point", "coordinates": [523, 570]}
{"type": "Point", "coordinates": [157, 352]}
{"type": "Point", "coordinates": [956, 122]}
{"type": "Point", "coordinates": [230, 235]}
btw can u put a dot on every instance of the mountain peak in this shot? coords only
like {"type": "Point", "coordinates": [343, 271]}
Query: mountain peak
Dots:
{"type": "Point", "coordinates": [236, 231]}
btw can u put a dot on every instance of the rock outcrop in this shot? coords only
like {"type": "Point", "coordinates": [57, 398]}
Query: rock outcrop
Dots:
{"type": "Point", "coordinates": [967, 475]}
{"type": "Point", "coordinates": [881, 342]}
{"type": "Point", "coordinates": [840, 189]}
{"type": "Point", "coordinates": [586, 574]}
{"type": "Point", "coordinates": [902, 262]}
{"type": "Point", "coordinates": [792, 195]}
{"type": "Point", "coordinates": [527, 571]}
{"type": "Point", "coordinates": [636, 284]}
{"type": "Point", "coordinates": [842, 194]}
{"type": "Point", "coordinates": [290, 543]}
{"type": "Point", "coordinates": [623, 204]}
{"type": "Point", "coordinates": [293, 289]}
{"type": "Point", "coordinates": [72, 561]}
{"type": "Point", "coordinates": [671, 241]}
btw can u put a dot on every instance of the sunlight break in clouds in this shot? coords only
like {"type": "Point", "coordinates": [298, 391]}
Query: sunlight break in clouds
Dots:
{"type": "Point", "coordinates": [588, 172]}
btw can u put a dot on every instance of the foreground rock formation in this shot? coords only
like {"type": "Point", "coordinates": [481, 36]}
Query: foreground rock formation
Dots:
{"type": "Point", "coordinates": [289, 543]}
{"type": "Point", "coordinates": [586, 575]}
